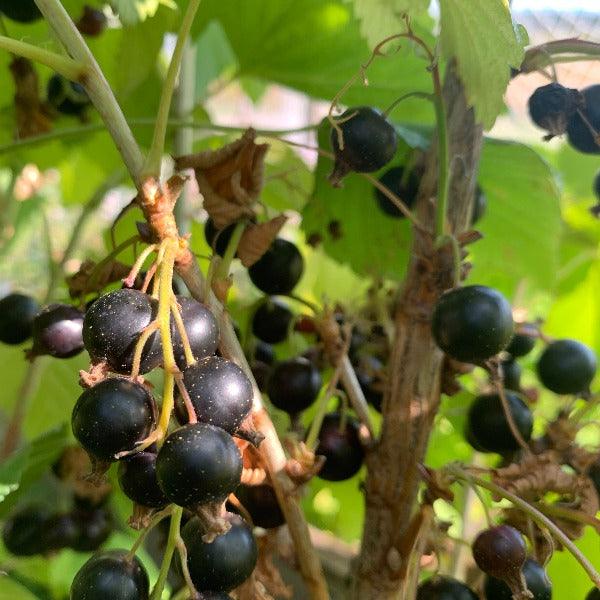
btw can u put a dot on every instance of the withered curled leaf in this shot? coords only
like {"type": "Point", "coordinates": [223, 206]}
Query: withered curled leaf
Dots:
{"type": "Point", "coordinates": [257, 239]}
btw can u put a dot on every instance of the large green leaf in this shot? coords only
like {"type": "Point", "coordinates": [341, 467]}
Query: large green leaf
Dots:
{"type": "Point", "coordinates": [481, 36]}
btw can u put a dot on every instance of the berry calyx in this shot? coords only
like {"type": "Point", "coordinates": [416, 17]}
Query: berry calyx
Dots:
{"type": "Point", "coordinates": [22, 11]}
{"type": "Point", "coordinates": [111, 574]}
{"type": "Point", "coordinates": [536, 580]}
{"type": "Point", "coordinates": [262, 504]}
{"type": "Point", "coordinates": [294, 385]}
{"type": "Point", "coordinates": [369, 142]}
{"type": "Point", "coordinates": [197, 464]}
{"type": "Point", "coordinates": [405, 187]}
{"type": "Point", "coordinates": [67, 97]}
{"type": "Point", "coordinates": [201, 328]}
{"type": "Point", "coordinates": [586, 119]}
{"type": "Point", "coordinates": [567, 367]}
{"type": "Point", "coordinates": [220, 392]}
{"type": "Point", "coordinates": [511, 373]}
{"type": "Point", "coordinates": [279, 269]}
{"type": "Point", "coordinates": [551, 106]}
{"type": "Point", "coordinates": [472, 323]}
{"type": "Point", "coordinates": [444, 588]}
{"type": "Point", "coordinates": [226, 562]}
{"type": "Point", "coordinates": [17, 312]}
{"type": "Point", "coordinates": [137, 478]}
{"type": "Point", "coordinates": [112, 326]}
{"type": "Point", "coordinates": [501, 552]}
{"type": "Point", "coordinates": [57, 331]}
{"type": "Point", "coordinates": [520, 345]}
{"type": "Point", "coordinates": [112, 417]}
{"type": "Point", "coordinates": [339, 443]}
{"type": "Point", "coordinates": [271, 321]}
{"type": "Point", "coordinates": [487, 428]}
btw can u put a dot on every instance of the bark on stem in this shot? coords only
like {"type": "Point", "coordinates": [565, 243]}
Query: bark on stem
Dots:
{"type": "Point", "coordinates": [412, 399]}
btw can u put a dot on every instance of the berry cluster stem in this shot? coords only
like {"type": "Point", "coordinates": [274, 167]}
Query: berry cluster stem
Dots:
{"type": "Point", "coordinates": [168, 555]}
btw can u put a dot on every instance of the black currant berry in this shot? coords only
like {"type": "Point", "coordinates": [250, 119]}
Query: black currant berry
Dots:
{"type": "Point", "coordinates": [487, 427]}
{"type": "Point", "coordinates": [500, 552]}
{"type": "Point", "coordinates": [58, 331]}
{"type": "Point", "coordinates": [279, 269]}
{"type": "Point", "coordinates": [198, 463]}
{"type": "Point", "coordinates": [535, 577]}
{"type": "Point", "coordinates": [339, 443]}
{"type": "Point", "coordinates": [218, 239]}
{"type": "Point", "coordinates": [112, 326]}
{"type": "Point", "coordinates": [567, 367]}
{"type": "Point", "coordinates": [444, 588]}
{"type": "Point", "coordinates": [92, 22]}
{"type": "Point", "coordinates": [60, 531]}
{"type": "Point", "coordinates": [472, 323]}
{"type": "Point", "coordinates": [67, 97]}
{"type": "Point", "coordinates": [220, 392]}
{"type": "Point", "coordinates": [271, 321]}
{"type": "Point", "coordinates": [94, 527]}
{"type": "Point", "coordinates": [264, 352]}
{"type": "Point", "coordinates": [17, 312]}
{"type": "Point", "coordinates": [369, 372]}
{"type": "Point", "coordinates": [593, 594]}
{"type": "Point", "coordinates": [261, 372]}
{"type": "Point", "coordinates": [294, 385]}
{"type": "Point", "coordinates": [579, 129]}
{"type": "Point", "coordinates": [201, 327]}
{"type": "Point", "coordinates": [369, 142]}
{"type": "Point", "coordinates": [406, 188]}
{"type": "Point", "coordinates": [551, 106]}
{"type": "Point", "coordinates": [224, 563]}
{"type": "Point", "coordinates": [137, 478]}
{"type": "Point", "coordinates": [479, 205]}
{"type": "Point", "coordinates": [111, 574]}
{"type": "Point", "coordinates": [511, 372]}
{"type": "Point", "coordinates": [112, 417]}
{"type": "Point", "coordinates": [22, 11]}
{"type": "Point", "coordinates": [24, 532]}
{"type": "Point", "coordinates": [520, 345]}
{"type": "Point", "coordinates": [262, 504]}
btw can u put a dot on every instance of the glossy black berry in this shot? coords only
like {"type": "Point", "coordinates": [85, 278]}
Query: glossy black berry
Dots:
{"type": "Point", "coordinates": [339, 443]}
{"type": "Point", "coordinates": [472, 323]}
{"type": "Point", "coordinates": [406, 188]}
{"type": "Point", "coordinates": [271, 321]}
{"type": "Point", "coordinates": [369, 372]}
{"type": "Point", "coordinates": [58, 331]}
{"type": "Point", "coordinates": [294, 385]}
{"type": "Point", "coordinates": [67, 97]}
{"type": "Point", "coordinates": [198, 463]}
{"type": "Point", "coordinates": [535, 577]}
{"type": "Point", "coordinates": [17, 312]}
{"type": "Point", "coordinates": [218, 239]}
{"type": "Point", "coordinates": [500, 552]}
{"type": "Point", "coordinates": [226, 562]}
{"type": "Point", "coordinates": [112, 417]}
{"type": "Point", "coordinates": [511, 372]}
{"type": "Point", "coordinates": [112, 326]}
{"type": "Point", "coordinates": [92, 22]}
{"type": "Point", "coordinates": [22, 11]}
{"type": "Point", "coordinates": [94, 527]}
{"type": "Point", "coordinates": [60, 531]}
{"type": "Point", "coordinates": [220, 392]}
{"type": "Point", "coordinates": [279, 269]}
{"type": "Point", "coordinates": [579, 133]}
{"type": "Point", "coordinates": [551, 106]}
{"type": "Point", "coordinates": [137, 478]}
{"type": "Point", "coordinates": [369, 142]}
{"type": "Point", "coordinates": [593, 594]}
{"type": "Point", "coordinates": [261, 372]}
{"type": "Point", "coordinates": [201, 327]}
{"type": "Point", "coordinates": [487, 427]}
{"type": "Point", "coordinates": [520, 345]}
{"type": "Point", "coordinates": [111, 574]}
{"type": "Point", "coordinates": [262, 504]}
{"type": "Point", "coordinates": [479, 205]}
{"type": "Point", "coordinates": [264, 352]}
{"type": "Point", "coordinates": [24, 532]}
{"type": "Point", "coordinates": [567, 367]}
{"type": "Point", "coordinates": [444, 588]}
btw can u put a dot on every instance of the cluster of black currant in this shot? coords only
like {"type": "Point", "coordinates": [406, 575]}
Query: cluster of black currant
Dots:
{"type": "Point", "coordinates": [559, 110]}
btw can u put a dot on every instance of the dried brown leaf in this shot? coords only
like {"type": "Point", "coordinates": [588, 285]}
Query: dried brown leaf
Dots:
{"type": "Point", "coordinates": [257, 239]}
{"type": "Point", "coordinates": [90, 279]}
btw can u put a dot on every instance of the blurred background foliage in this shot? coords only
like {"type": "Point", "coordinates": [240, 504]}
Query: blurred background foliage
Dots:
{"type": "Point", "coordinates": [275, 64]}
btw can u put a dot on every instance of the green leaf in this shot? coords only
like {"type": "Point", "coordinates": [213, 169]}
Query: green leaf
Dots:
{"type": "Point", "coordinates": [381, 18]}
{"type": "Point", "coordinates": [481, 36]}
{"type": "Point", "coordinates": [133, 11]}
{"type": "Point", "coordinates": [26, 465]}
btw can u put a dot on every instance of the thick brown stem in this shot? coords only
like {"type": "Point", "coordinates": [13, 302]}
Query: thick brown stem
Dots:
{"type": "Point", "coordinates": [412, 399]}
